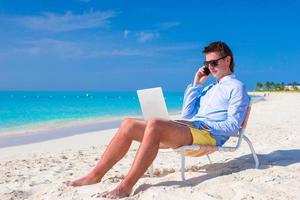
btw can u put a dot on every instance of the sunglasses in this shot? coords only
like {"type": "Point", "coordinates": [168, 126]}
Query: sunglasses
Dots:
{"type": "Point", "coordinates": [213, 63]}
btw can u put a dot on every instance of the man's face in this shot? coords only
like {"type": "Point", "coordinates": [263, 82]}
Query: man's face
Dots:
{"type": "Point", "coordinates": [222, 69]}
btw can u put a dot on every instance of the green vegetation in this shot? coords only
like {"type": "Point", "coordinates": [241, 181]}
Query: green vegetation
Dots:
{"type": "Point", "coordinates": [271, 86]}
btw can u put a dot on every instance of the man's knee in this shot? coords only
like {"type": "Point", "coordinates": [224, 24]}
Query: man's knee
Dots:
{"type": "Point", "coordinates": [127, 126]}
{"type": "Point", "coordinates": [154, 127]}
{"type": "Point", "coordinates": [127, 123]}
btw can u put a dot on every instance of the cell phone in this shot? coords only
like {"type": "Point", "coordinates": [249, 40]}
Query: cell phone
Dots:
{"type": "Point", "coordinates": [206, 71]}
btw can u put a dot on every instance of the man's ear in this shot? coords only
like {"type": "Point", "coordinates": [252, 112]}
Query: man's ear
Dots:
{"type": "Point", "coordinates": [228, 59]}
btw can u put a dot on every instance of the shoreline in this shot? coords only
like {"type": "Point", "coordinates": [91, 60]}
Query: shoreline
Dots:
{"type": "Point", "coordinates": [61, 129]}
{"type": "Point", "coordinates": [46, 133]}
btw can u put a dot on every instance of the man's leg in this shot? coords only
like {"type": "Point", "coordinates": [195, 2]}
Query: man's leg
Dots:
{"type": "Point", "coordinates": [131, 129]}
{"type": "Point", "coordinates": [168, 133]}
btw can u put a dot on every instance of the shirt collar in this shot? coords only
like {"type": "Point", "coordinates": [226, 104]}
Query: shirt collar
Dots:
{"type": "Point", "coordinates": [225, 78]}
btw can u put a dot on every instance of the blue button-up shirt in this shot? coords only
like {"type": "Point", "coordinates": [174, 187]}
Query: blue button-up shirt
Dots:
{"type": "Point", "coordinates": [220, 107]}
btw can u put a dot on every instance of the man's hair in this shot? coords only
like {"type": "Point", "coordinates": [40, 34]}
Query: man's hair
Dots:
{"type": "Point", "coordinates": [222, 49]}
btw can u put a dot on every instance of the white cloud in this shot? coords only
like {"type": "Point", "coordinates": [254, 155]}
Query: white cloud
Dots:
{"type": "Point", "coordinates": [145, 52]}
{"type": "Point", "coordinates": [146, 36]}
{"type": "Point", "coordinates": [121, 52]}
{"type": "Point", "coordinates": [53, 22]}
{"type": "Point", "coordinates": [150, 50]}
{"type": "Point", "coordinates": [167, 25]}
{"type": "Point", "coordinates": [48, 46]}
{"type": "Point", "coordinates": [179, 47]}
{"type": "Point", "coordinates": [50, 42]}
{"type": "Point", "coordinates": [33, 50]}
{"type": "Point", "coordinates": [126, 32]}
{"type": "Point", "coordinates": [149, 35]}
{"type": "Point", "coordinates": [102, 48]}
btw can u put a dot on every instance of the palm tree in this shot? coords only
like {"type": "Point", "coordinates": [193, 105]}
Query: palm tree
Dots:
{"type": "Point", "coordinates": [259, 85]}
{"type": "Point", "coordinates": [278, 86]}
{"type": "Point", "coordinates": [294, 85]}
{"type": "Point", "coordinates": [267, 85]}
{"type": "Point", "coordinates": [272, 85]}
{"type": "Point", "coordinates": [282, 86]}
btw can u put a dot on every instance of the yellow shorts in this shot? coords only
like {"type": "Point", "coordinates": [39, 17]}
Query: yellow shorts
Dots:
{"type": "Point", "coordinates": [202, 137]}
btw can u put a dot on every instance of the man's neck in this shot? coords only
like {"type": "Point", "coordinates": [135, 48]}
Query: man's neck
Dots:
{"type": "Point", "coordinates": [227, 74]}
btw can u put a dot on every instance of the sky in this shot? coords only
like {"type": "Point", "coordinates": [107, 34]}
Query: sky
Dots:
{"type": "Point", "coordinates": [109, 45]}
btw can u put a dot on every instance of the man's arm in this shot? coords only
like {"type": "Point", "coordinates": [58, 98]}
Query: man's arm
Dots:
{"type": "Point", "coordinates": [192, 95]}
{"type": "Point", "coordinates": [191, 101]}
{"type": "Point", "coordinates": [238, 104]}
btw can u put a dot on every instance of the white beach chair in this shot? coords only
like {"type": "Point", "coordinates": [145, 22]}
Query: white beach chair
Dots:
{"type": "Point", "coordinates": [199, 150]}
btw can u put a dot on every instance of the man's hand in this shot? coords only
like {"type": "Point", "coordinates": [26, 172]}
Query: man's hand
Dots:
{"type": "Point", "coordinates": [200, 76]}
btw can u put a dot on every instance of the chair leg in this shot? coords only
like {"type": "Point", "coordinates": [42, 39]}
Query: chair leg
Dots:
{"type": "Point", "coordinates": [182, 169]}
{"type": "Point", "coordinates": [252, 150]}
{"type": "Point", "coordinates": [209, 160]}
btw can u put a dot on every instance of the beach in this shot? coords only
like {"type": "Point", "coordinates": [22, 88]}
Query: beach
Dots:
{"type": "Point", "coordinates": [37, 170]}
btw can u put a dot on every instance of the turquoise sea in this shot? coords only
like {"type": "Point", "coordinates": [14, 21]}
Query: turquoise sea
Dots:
{"type": "Point", "coordinates": [27, 117]}
{"type": "Point", "coordinates": [27, 109]}
{"type": "Point", "coordinates": [23, 109]}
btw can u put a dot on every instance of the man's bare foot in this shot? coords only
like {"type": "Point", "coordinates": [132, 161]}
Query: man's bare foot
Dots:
{"type": "Point", "coordinates": [86, 180]}
{"type": "Point", "coordinates": [118, 192]}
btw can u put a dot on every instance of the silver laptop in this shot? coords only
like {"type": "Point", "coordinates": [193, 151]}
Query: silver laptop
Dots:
{"type": "Point", "coordinates": [153, 104]}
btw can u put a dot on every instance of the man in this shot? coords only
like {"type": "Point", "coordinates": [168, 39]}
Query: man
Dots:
{"type": "Point", "coordinates": [219, 108]}
{"type": "Point", "coordinates": [211, 115]}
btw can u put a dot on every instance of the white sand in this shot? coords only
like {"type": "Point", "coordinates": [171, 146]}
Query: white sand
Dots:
{"type": "Point", "coordinates": [36, 171]}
